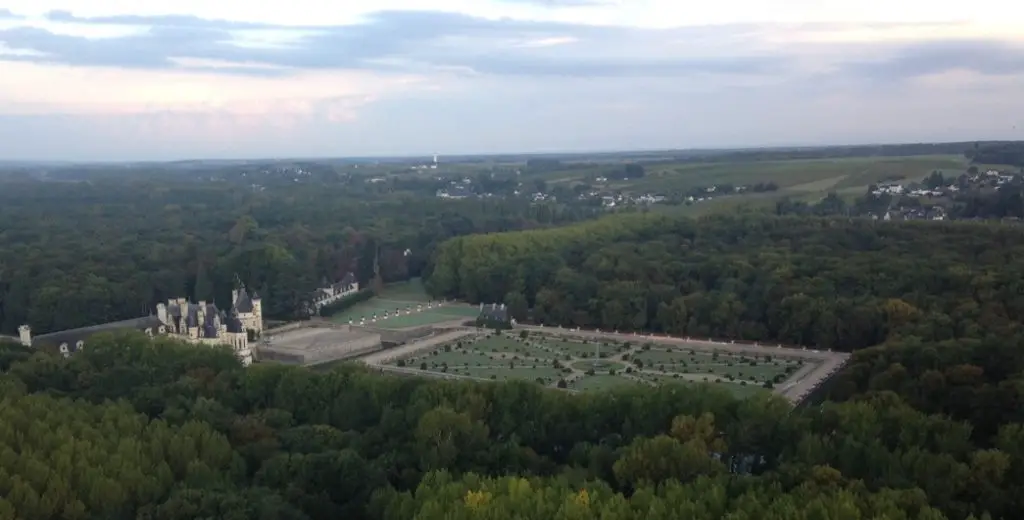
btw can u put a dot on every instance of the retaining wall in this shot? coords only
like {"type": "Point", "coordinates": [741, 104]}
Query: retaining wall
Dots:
{"type": "Point", "coordinates": [396, 336]}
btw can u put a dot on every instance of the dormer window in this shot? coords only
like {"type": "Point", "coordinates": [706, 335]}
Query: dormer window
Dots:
{"type": "Point", "coordinates": [79, 345]}
{"type": "Point", "coordinates": [162, 329]}
{"type": "Point", "coordinates": [149, 332]}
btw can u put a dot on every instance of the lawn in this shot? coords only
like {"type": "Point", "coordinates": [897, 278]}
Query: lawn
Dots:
{"type": "Point", "coordinates": [410, 291]}
{"type": "Point", "coordinates": [411, 300]}
{"type": "Point", "coordinates": [690, 363]}
{"type": "Point", "coordinates": [601, 382]}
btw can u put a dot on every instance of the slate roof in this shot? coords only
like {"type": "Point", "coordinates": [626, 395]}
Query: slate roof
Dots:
{"type": "Point", "coordinates": [325, 291]}
{"type": "Point", "coordinates": [492, 313]}
{"type": "Point", "coordinates": [73, 336]}
{"type": "Point", "coordinates": [188, 316]}
{"type": "Point", "coordinates": [234, 323]}
{"type": "Point", "coordinates": [243, 303]}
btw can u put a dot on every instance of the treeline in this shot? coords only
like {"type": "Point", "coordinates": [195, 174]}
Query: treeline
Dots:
{"type": "Point", "coordinates": [831, 152]}
{"type": "Point", "coordinates": [136, 428]}
{"type": "Point", "coordinates": [1008, 153]}
{"type": "Point", "coordinates": [74, 254]}
{"type": "Point", "coordinates": [825, 283]}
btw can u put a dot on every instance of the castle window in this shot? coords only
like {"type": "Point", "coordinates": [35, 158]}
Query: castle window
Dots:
{"type": "Point", "coordinates": [79, 345]}
{"type": "Point", "coordinates": [163, 329]}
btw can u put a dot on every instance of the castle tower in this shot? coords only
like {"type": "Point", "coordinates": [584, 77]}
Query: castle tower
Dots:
{"type": "Point", "coordinates": [257, 311]}
{"type": "Point", "coordinates": [25, 334]}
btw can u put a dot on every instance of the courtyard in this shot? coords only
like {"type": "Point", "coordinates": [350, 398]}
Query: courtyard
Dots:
{"type": "Point", "coordinates": [589, 364]}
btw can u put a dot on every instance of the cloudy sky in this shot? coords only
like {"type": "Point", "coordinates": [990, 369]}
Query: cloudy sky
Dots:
{"type": "Point", "coordinates": [162, 79]}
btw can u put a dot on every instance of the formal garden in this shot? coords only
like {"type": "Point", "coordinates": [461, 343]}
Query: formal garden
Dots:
{"type": "Point", "coordinates": [587, 365]}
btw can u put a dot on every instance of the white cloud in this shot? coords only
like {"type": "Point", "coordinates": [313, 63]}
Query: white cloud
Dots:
{"type": "Point", "coordinates": [34, 89]}
{"type": "Point", "coordinates": [510, 75]}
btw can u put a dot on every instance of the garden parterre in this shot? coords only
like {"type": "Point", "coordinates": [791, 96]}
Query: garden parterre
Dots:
{"type": "Point", "coordinates": [588, 365]}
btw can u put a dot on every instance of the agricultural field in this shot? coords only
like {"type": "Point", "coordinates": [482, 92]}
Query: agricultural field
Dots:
{"type": "Point", "coordinates": [804, 179]}
{"type": "Point", "coordinates": [590, 365]}
{"type": "Point", "coordinates": [407, 305]}
{"type": "Point", "coordinates": [808, 175]}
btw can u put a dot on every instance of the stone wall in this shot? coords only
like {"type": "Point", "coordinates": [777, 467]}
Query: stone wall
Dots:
{"type": "Point", "coordinates": [287, 327]}
{"type": "Point", "coordinates": [329, 346]}
{"type": "Point", "coordinates": [397, 336]}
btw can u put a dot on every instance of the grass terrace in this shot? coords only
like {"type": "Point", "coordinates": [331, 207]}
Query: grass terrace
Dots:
{"type": "Point", "coordinates": [407, 304]}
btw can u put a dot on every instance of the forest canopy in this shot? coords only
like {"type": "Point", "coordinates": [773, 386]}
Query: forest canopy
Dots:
{"type": "Point", "coordinates": [139, 428]}
{"type": "Point", "coordinates": [74, 254]}
{"type": "Point", "coordinates": [830, 283]}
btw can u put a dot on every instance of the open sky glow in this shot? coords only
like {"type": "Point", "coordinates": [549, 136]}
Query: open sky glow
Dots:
{"type": "Point", "coordinates": [155, 79]}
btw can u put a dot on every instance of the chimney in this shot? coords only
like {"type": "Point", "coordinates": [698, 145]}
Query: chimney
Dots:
{"type": "Point", "coordinates": [161, 313]}
{"type": "Point", "coordinates": [26, 335]}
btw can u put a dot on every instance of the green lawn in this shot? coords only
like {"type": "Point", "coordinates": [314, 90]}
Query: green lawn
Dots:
{"type": "Point", "coordinates": [681, 361]}
{"type": "Point", "coordinates": [601, 365]}
{"type": "Point", "coordinates": [739, 390]}
{"type": "Point", "coordinates": [410, 291]}
{"type": "Point", "coordinates": [404, 296]}
{"type": "Point", "coordinates": [601, 382]}
{"type": "Point", "coordinates": [416, 319]}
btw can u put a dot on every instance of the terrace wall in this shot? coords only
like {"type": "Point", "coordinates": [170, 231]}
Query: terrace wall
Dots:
{"type": "Point", "coordinates": [346, 348]}
{"type": "Point", "coordinates": [396, 336]}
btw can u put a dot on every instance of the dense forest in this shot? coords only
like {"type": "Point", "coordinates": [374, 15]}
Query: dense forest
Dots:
{"type": "Point", "coordinates": [136, 428]}
{"type": "Point", "coordinates": [830, 283]}
{"type": "Point", "coordinates": [926, 422]}
{"type": "Point", "coordinates": [81, 252]}
{"type": "Point", "coordinates": [1006, 153]}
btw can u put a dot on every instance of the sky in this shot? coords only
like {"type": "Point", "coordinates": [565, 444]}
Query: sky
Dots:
{"type": "Point", "coordinates": [189, 79]}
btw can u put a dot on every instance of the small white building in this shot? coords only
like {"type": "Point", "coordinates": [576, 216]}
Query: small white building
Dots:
{"type": "Point", "coordinates": [332, 292]}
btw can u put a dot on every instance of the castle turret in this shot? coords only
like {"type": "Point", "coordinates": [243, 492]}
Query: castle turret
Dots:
{"type": "Point", "coordinates": [257, 311]}
{"type": "Point", "coordinates": [25, 333]}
